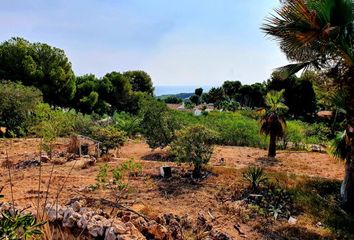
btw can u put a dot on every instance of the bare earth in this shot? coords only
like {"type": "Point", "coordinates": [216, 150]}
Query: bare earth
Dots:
{"type": "Point", "coordinates": [151, 195]}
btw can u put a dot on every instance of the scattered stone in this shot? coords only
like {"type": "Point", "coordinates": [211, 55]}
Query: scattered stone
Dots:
{"type": "Point", "coordinates": [292, 221]}
{"type": "Point", "coordinates": [319, 224]}
{"type": "Point", "coordinates": [27, 164]}
{"type": "Point", "coordinates": [45, 158]}
{"type": "Point", "coordinates": [157, 230]}
{"type": "Point", "coordinates": [97, 225]}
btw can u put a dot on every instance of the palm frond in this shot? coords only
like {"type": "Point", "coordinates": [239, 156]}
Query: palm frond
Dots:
{"type": "Point", "coordinates": [308, 29]}
{"type": "Point", "coordinates": [339, 147]}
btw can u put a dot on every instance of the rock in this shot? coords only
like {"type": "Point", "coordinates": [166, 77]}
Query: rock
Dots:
{"type": "Point", "coordinates": [45, 158]}
{"type": "Point", "coordinates": [54, 213]}
{"type": "Point", "coordinates": [85, 218]}
{"type": "Point", "coordinates": [77, 205]}
{"type": "Point", "coordinates": [97, 225]}
{"type": "Point", "coordinates": [126, 217]}
{"type": "Point", "coordinates": [134, 232]}
{"type": "Point", "coordinates": [158, 231]}
{"type": "Point", "coordinates": [140, 223]}
{"type": "Point", "coordinates": [27, 164]}
{"type": "Point", "coordinates": [220, 236]}
{"type": "Point", "coordinates": [203, 223]}
{"type": "Point", "coordinates": [119, 227]}
{"type": "Point", "coordinates": [110, 234]}
{"type": "Point", "coordinates": [292, 221]}
{"type": "Point", "coordinates": [72, 220]}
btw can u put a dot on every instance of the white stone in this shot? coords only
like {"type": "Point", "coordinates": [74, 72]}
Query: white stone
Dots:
{"type": "Point", "coordinates": [292, 221]}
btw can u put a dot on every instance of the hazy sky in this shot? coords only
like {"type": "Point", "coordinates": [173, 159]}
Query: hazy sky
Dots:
{"type": "Point", "coordinates": [178, 42]}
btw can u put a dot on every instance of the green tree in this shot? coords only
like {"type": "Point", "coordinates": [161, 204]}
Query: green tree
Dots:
{"type": "Point", "coordinates": [273, 121]}
{"type": "Point", "coordinates": [194, 145]}
{"type": "Point", "coordinates": [158, 124]}
{"type": "Point", "coordinates": [251, 95]}
{"type": "Point", "coordinates": [299, 94]}
{"type": "Point", "coordinates": [140, 81]}
{"type": "Point", "coordinates": [16, 104]}
{"type": "Point", "coordinates": [231, 88]}
{"type": "Point", "coordinates": [320, 34]}
{"type": "Point", "coordinates": [86, 98]}
{"type": "Point", "coordinates": [116, 89]}
{"type": "Point", "coordinates": [195, 99]}
{"type": "Point", "coordinates": [172, 100]}
{"type": "Point", "coordinates": [214, 95]}
{"type": "Point", "coordinates": [38, 65]}
{"type": "Point", "coordinates": [198, 92]}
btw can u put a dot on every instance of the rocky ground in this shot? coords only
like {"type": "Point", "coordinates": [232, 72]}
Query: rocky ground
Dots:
{"type": "Point", "coordinates": [175, 208]}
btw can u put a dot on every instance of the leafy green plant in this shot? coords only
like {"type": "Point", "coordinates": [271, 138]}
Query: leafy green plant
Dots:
{"type": "Point", "coordinates": [102, 176]}
{"type": "Point", "coordinates": [133, 168]}
{"type": "Point", "coordinates": [255, 176]}
{"type": "Point", "coordinates": [16, 225]}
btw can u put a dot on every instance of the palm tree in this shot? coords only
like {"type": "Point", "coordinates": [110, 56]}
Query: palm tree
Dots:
{"type": "Point", "coordinates": [273, 122]}
{"type": "Point", "coordinates": [320, 34]}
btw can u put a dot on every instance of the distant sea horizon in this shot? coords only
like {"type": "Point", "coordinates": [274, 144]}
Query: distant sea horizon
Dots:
{"type": "Point", "coordinates": [167, 90]}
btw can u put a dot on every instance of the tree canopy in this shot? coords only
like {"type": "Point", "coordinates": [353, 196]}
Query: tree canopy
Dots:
{"type": "Point", "coordinates": [39, 65]}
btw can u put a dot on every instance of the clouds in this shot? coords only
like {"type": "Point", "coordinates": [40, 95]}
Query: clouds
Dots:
{"type": "Point", "coordinates": [186, 42]}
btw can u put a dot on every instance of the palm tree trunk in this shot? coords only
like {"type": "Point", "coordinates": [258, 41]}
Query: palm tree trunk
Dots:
{"type": "Point", "coordinates": [272, 145]}
{"type": "Point", "coordinates": [347, 189]}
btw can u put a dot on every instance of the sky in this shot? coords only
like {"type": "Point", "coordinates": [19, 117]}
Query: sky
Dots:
{"type": "Point", "coordinates": [178, 42]}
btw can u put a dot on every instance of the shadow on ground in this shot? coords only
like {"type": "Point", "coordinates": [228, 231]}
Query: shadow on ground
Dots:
{"type": "Point", "coordinates": [267, 161]}
{"type": "Point", "coordinates": [180, 183]}
{"type": "Point", "coordinates": [158, 157]}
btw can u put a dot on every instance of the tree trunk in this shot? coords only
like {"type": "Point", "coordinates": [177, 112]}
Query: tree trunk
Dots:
{"type": "Point", "coordinates": [272, 145]}
{"type": "Point", "coordinates": [347, 189]}
{"type": "Point", "coordinates": [197, 171]}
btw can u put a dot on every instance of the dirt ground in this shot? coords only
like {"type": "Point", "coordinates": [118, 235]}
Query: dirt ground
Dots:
{"type": "Point", "coordinates": [150, 194]}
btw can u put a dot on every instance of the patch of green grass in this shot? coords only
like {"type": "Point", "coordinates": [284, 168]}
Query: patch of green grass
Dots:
{"type": "Point", "coordinates": [320, 199]}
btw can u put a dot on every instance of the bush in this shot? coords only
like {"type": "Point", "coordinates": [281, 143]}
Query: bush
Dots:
{"type": "Point", "coordinates": [127, 122]}
{"type": "Point", "coordinates": [158, 124]}
{"type": "Point", "coordinates": [109, 137]}
{"type": "Point", "coordinates": [16, 104]}
{"type": "Point", "coordinates": [46, 121]}
{"type": "Point", "coordinates": [194, 145]}
{"type": "Point", "coordinates": [294, 134]}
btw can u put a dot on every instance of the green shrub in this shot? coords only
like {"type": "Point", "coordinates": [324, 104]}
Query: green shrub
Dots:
{"type": "Point", "coordinates": [16, 104]}
{"type": "Point", "coordinates": [102, 176]}
{"type": "Point", "coordinates": [17, 225]}
{"type": "Point", "coordinates": [109, 137]}
{"type": "Point", "coordinates": [255, 176]}
{"type": "Point", "coordinates": [294, 134]}
{"type": "Point", "coordinates": [55, 122]}
{"type": "Point", "coordinates": [128, 123]}
{"type": "Point", "coordinates": [194, 145]}
{"type": "Point", "coordinates": [158, 124]}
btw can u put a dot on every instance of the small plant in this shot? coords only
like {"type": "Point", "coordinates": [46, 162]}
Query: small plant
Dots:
{"type": "Point", "coordinates": [133, 168]}
{"type": "Point", "coordinates": [16, 225]}
{"type": "Point", "coordinates": [102, 177]}
{"type": "Point", "coordinates": [255, 176]}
